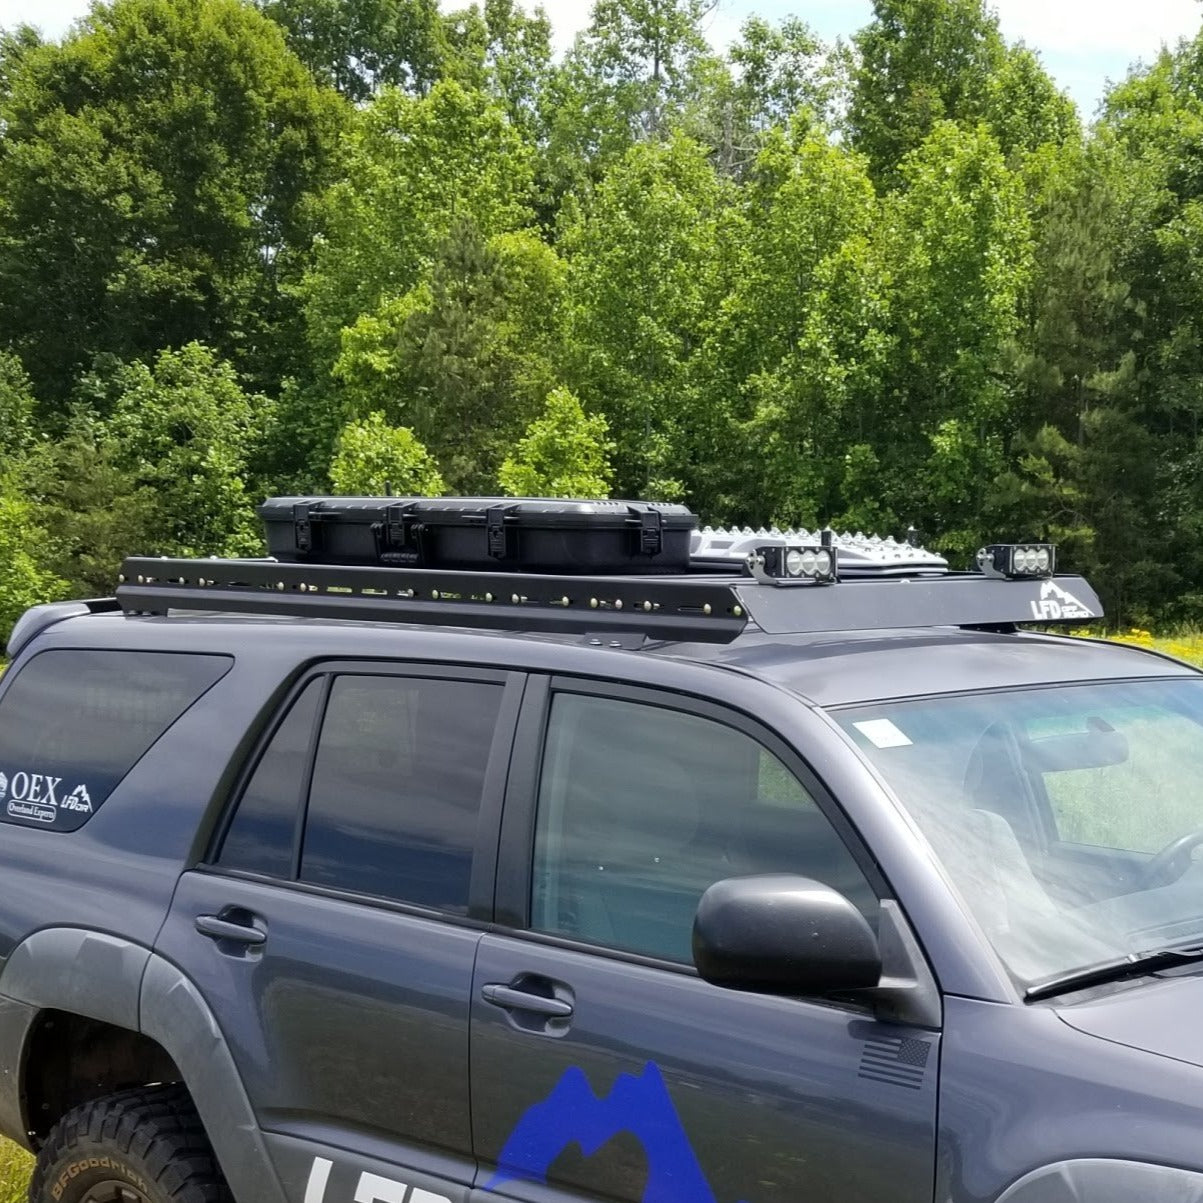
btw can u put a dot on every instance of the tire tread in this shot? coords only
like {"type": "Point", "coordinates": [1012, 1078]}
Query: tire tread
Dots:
{"type": "Point", "coordinates": [157, 1125]}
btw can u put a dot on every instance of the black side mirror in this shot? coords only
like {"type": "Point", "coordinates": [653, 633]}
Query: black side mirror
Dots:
{"type": "Point", "coordinates": [783, 935]}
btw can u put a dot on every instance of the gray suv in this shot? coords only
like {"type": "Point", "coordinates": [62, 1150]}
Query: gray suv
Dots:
{"type": "Point", "coordinates": [745, 885]}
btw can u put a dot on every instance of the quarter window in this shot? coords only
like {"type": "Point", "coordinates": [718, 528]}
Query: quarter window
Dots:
{"type": "Point", "coordinates": [73, 724]}
{"type": "Point", "coordinates": [397, 787]}
{"type": "Point", "coordinates": [641, 809]}
{"type": "Point", "coordinates": [262, 835]}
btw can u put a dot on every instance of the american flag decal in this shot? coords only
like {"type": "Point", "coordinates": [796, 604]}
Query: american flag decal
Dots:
{"type": "Point", "coordinates": [895, 1060]}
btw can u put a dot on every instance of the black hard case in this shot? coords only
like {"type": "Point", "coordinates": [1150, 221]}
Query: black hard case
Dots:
{"type": "Point", "coordinates": [481, 533]}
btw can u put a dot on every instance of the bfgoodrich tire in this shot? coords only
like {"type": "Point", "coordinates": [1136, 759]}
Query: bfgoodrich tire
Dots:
{"type": "Point", "coordinates": [140, 1146]}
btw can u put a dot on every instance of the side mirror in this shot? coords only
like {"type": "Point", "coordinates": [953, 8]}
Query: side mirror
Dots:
{"type": "Point", "coordinates": [783, 935]}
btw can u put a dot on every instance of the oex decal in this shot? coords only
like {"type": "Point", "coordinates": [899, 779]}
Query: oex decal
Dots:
{"type": "Point", "coordinates": [39, 797]}
{"type": "Point", "coordinates": [573, 1114]}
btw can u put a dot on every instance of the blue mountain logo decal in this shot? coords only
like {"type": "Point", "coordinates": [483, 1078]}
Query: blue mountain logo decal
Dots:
{"type": "Point", "coordinates": [573, 1114]}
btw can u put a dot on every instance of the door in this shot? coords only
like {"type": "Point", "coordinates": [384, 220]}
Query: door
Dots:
{"type": "Point", "coordinates": [334, 931]}
{"type": "Point", "coordinates": [602, 1066]}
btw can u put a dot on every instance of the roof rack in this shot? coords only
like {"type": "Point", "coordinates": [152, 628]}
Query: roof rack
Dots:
{"type": "Point", "coordinates": [678, 608]}
{"type": "Point", "coordinates": [687, 607]}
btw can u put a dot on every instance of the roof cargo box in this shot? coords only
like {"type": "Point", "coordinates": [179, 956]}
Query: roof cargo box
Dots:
{"type": "Point", "coordinates": [481, 533]}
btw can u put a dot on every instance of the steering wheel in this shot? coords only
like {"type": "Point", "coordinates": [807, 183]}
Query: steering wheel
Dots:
{"type": "Point", "coordinates": [1172, 861]}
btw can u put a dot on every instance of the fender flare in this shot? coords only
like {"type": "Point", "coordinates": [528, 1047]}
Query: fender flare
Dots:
{"type": "Point", "coordinates": [122, 983]}
{"type": "Point", "coordinates": [174, 1014]}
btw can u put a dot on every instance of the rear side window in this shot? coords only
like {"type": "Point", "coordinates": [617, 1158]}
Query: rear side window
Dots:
{"type": "Point", "coordinates": [397, 788]}
{"type": "Point", "coordinates": [74, 723]}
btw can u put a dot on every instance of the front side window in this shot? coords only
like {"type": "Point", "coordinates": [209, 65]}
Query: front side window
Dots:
{"type": "Point", "coordinates": [397, 788]}
{"type": "Point", "coordinates": [642, 809]}
{"type": "Point", "coordinates": [1048, 809]}
{"type": "Point", "coordinates": [74, 723]}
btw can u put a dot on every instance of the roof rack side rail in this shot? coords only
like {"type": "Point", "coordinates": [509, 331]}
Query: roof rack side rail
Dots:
{"type": "Point", "coordinates": [675, 608]}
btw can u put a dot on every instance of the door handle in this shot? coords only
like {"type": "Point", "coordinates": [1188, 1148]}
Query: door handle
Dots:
{"type": "Point", "coordinates": [217, 928]}
{"type": "Point", "coordinates": [511, 999]}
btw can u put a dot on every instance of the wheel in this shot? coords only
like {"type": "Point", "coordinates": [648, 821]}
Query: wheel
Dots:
{"type": "Point", "coordinates": [140, 1146]}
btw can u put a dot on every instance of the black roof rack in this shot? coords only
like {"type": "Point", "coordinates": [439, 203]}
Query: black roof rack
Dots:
{"type": "Point", "coordinates": [665, 607]}
{"type": "Point", "coordinates": [686, 607]}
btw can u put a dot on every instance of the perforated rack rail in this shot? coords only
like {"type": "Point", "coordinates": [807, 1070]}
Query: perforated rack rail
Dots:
{"type": "Point", "coordinates": [665, 607]}
{"type": "Point", "coordinates": [687, 607]}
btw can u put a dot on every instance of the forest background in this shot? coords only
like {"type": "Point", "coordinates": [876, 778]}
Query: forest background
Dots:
{"type": "Point", "coordinates": [303, 245]}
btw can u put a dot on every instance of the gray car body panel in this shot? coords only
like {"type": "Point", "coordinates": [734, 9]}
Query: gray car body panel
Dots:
{"type": "Point", "coordinates": [1033, 1101]}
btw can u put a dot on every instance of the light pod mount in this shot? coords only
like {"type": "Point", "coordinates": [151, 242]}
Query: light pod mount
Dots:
{"type": "Point", "coordinates": [795, 564]}
{"type": "Point", "coordinates": [1018, 561]}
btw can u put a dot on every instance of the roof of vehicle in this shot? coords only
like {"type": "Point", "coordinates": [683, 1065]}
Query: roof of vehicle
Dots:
{"type": "Point", "coordinates": [825, 669]}
{"type": "Point", "coordinates": [849, 667]}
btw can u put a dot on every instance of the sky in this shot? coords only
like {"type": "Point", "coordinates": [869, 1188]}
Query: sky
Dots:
{"type": "Point", "coordinates": [1084, 43]}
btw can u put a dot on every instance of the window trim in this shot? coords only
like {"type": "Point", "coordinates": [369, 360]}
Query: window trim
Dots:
{"type": "Point", "coordinates": [516, 847]}
{"type": "Point", "coordinates": [484, 867]}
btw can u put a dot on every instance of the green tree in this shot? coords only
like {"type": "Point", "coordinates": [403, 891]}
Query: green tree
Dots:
{"type": "Point", "coordinates": [565, 453]}
{"type": "Point", "coordinates": [24, 582]}
{"type": "Point", "coordinates": [14, 45]}
{"type": "Point", "coordinates": [647, 273]}
{"type": "Point", "coordinates": [1024, 107]}
{"type": "Point", "coordinates": [920, 62]}
{"type": "Point", "coordinates": [16, 409]}
{"type": "Point", "coordinates": [501, 50]}
{"type": "Point", "coordinates": [632, 75]}
{"type": "Point", "coordinates": [796, 354]}
{"type": "Point", "coordinates": [415, 167]}
{"type": "Point", "coordinates": [360, 46]}
{"type": "Point", "coordinates": [183, 429]}
{"type": "Point", "coordinates": [958, 244]}
{"type": "Point", "coordinates": [467, 356]}
{"type": "Point", "coordinates": [372, 459]}
{"type": "Point", "coordinates": [91, 509]}
{"type": "Point", "coordinates": [152, 177]}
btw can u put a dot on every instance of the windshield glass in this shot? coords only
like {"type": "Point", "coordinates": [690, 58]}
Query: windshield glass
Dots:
{"type": "Point", "coordinates": [1067, 817]}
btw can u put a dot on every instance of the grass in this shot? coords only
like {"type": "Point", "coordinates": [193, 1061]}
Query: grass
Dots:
{"type": "Point", "coordinates": [1186, 645]}
{"type": "Point", "coordinates": [15, 1165]}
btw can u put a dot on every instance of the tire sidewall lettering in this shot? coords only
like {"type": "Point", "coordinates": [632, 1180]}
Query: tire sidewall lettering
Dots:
{"type": "Point", "coordinates": [95, 1163]}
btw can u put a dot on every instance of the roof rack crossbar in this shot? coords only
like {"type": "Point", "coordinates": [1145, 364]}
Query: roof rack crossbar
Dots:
{"type": "Point", "coordinates": [675, 608]}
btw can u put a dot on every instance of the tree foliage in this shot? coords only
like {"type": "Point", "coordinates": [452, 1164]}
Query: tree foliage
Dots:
{"type": "Point", "coordinates": [253, 246]}
{"type": "Point", "coordinates": [152, 177]}
{"type": "Point", "coordinates": [565, 453]}
{"type": "Point", "coordinates": [372, 459]}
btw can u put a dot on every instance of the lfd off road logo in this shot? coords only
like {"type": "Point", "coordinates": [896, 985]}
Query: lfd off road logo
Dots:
{"type": "Point", "coordinates": [1057, 604]}
{"type": "Point", "coordinates": [371, 1188]}
{"type": "Point", "coordinates": [38, 797]}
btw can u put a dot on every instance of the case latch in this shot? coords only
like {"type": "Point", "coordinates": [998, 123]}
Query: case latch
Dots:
{"type": "Point", "coordinates": [398, 537]}
{"type": "Point", "coordinates": [651, 532]}
{"type": "Point", "coordinates": [303, 529]}
{"type": "Point", "coordinates": [497, 533]}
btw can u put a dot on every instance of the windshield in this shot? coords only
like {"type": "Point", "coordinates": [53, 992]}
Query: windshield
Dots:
{"type": "Point", "coordinates": [1067, 817]}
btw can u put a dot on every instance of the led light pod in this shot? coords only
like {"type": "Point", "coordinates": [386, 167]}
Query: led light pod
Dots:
{"type": "Point", "coordinates": [1018, 561]}
{"type": "Point", "coordinates": [793, 564]}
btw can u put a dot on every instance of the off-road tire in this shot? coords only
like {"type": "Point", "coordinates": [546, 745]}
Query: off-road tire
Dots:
{"type": "Point", "coordinates": [139, 1146]}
